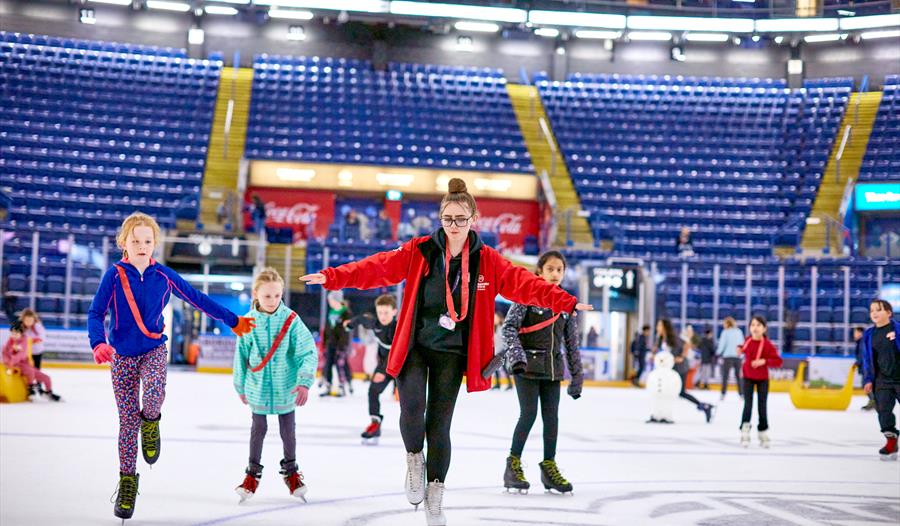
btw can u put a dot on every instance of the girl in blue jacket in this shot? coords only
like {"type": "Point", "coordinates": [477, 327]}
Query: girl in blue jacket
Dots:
{"type": "Point", "coordinates": [137, 289]}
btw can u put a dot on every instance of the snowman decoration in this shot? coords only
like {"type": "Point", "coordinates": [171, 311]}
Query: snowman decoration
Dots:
{"type": "Point", "coordinates": [663, 384]}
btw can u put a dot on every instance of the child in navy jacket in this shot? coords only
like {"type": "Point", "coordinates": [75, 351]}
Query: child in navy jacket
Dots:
{"type": "Point", "coordinates": [881, 370]}
{"type": "Point", "coordinates": [137, 289]}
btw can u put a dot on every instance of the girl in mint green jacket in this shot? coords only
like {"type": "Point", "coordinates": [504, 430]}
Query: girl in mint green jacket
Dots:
{"type": "Point", "coordinates": [274, 367]}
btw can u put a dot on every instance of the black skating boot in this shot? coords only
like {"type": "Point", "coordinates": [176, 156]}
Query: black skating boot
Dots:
{"type": "Point", "coordinates": [150, 440]}
{"type": "Point", "coordinates": [126, 496]}
{"type": "Point", "coordinates": [514, 476]}
{"type": "Point", "coordinates": [553, 479]}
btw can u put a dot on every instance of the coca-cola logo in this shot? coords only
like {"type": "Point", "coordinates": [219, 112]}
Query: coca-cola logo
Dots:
{"type": "Point", "coordinates": [510, 224]}
{"type": "Point", "coordinates": [298, 214]}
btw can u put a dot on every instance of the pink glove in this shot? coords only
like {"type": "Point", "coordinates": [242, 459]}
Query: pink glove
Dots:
{"type": "Point", "coordinates": [103, 353]}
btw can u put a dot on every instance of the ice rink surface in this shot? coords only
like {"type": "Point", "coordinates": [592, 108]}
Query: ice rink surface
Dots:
{"type": "Point", "coordinates": [58, 463]}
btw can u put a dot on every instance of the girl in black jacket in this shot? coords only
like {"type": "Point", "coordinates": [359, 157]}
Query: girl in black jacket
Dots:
{"type": "Point", "coordinates": [536, 342]}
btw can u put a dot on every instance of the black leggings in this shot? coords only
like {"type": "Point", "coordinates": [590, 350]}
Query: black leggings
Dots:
{"type": "Point", "coordinates": [762, 392]}
{"type": "Point", "coordinates": [375, 390]}
{"type": "Point", "coordinates": [529, 392]}
{"type": "Point", "coordinates": [684, 394]}
{"type": "Point", "coordinates": [420, 418]}
{"type": "Point", "coordinates": [335, 357]}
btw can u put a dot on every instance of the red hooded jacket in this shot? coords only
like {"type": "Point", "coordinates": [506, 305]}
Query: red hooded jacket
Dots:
{"type": "Point", "coordinates": [496, 276]}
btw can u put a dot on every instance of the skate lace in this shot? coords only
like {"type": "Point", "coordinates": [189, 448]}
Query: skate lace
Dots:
{"type": "Point", "coordinates": [415, 483]}
{"type": "Point", "coordinates": [149, 432]}
{"type": "Point", "coordinates": [295, 480]}
{"type": "Point", "coordinates": [554, 474]}
{"type": "Point", "coordinates": [250, 483]}
{"type": "Point", "coordinates": [126, 492]}
{"type": "Point", "coordinates": [516, 465]}
{"type": "Point", "coordinates": [435, 500]}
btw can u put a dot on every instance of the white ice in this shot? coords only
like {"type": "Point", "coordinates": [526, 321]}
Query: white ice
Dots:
{"type": "Point", "coordinates": [59, 463]}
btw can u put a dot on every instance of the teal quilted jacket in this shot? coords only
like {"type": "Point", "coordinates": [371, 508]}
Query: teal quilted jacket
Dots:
{"type": "Point", "coordinates": [294, 363]}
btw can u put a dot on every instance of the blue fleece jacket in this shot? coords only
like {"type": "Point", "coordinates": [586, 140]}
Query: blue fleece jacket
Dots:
{"type": "Point", "coordinates": [151, 291]}
{"type": "Point", "coordinates": [868, 359]}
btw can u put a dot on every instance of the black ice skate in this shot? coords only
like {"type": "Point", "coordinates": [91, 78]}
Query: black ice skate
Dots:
{"type": "Point", "coordinates": [709, 411]}
{"type": "Point", "coordinates": [372, 432]}
{"type": "Point", "coordinates": [514, 476]}
{"type": "Point", "coordinates": [126, 496]}
{"type": "Point", "coordinates": [150, 440]}
{"type": "Point", "coordinates": [553, 479]}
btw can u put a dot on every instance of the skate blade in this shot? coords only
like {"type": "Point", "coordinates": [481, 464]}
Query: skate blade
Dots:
{"type": "Point", "coordinates": [560, 493]}
{"type": "Point", "coordinates": [370, 441]}
{"type": "Point", "coordinates": [517, 491]}
{"type": "Point", "coordinates": [886, 458]}
{"type": "Point", "coordinates": [243, 494]}
{"type": "Point", "coordinates": [300, 493]}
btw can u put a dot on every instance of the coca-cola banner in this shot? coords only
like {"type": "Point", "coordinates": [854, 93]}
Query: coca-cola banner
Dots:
{"type": "Point", "coordinates": [511, 220]}
{"type": "Point", "coordinates": [297, 209]}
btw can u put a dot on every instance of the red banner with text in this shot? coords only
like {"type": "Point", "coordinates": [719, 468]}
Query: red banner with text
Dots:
{"type": "Point", "coordinates": [510, 220]}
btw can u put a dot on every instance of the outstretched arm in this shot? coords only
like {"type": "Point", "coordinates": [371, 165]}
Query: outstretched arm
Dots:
{"type": "Point", "coordinates": [378, 270]}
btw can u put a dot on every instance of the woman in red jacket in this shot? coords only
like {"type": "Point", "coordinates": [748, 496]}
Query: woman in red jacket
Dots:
{"type": "Point", "coordinates": [444, 329]}
{"type": "Point", "coordinates": [759, 356]}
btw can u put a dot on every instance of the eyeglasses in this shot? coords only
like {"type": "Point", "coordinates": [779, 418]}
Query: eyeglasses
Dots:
{"type": "Point", "coordinates": [458, 221]}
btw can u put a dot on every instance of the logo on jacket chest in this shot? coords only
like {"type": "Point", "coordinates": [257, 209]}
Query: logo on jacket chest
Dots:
{"type": "Point", "coordinates": [482, 284]}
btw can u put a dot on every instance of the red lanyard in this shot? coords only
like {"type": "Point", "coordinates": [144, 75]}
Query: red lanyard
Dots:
{"type": "Point", "coordinates": [135, 312]}
{"type": "Point", "coordinates": [464, 294]}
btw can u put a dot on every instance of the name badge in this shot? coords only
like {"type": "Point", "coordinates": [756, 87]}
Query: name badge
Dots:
{"type": "Point", "coordinates": [445, 322]}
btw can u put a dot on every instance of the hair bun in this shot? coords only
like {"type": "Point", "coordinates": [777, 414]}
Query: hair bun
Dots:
{"type": "Point", "coordinates": [456, 186]}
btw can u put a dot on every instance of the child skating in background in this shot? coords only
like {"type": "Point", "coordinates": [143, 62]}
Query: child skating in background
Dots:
{"type": "Point", "coordinates": [759, 356]}
{"type": "Point", "coordinates": [274, 367]}
{"type": "Point", "coordinates": [336, 344]}
{"type": "Point", "coordinates": [537, 341]}
{"type": "Point", "coordinates": [15, 356]}
{"type": "Point", "coordinates": [881, 370]}
{"type": "Point", "coordinates": [137, 289]}
{"type": "Point", "coordinates": [383, 326]}
{"type": "Point", "coordinates": [34, 329]}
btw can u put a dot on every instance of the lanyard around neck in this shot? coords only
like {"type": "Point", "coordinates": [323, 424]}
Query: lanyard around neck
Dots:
{"type": "Point", "coordinates": [464, 294]}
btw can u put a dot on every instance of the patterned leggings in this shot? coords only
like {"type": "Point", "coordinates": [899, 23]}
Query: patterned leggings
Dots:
{"type": "Point", "coordinates": [128, 373]}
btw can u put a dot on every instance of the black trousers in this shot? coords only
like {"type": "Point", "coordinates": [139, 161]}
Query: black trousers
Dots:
{"type": "Point", "coordinates": [37, 360]}
{"type": "Point", "coordinates": [762, 394]}
{"type": "Point", "coordinates": [422, 417]}
{"type": "Point", "coordinates": [530, 391]}
{"type": "Point", "coordinates": [375, 390]}
{"type": "Point", "coordinates": [885, 396]}
{"type": "Point", "coordinates": [727, 365]}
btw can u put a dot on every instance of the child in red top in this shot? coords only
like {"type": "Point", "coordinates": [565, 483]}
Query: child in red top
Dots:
{"type": "Point", "coordinates": [759, 356]}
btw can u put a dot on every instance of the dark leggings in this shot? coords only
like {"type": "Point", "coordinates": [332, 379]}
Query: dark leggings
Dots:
{"type": "Point", "coordinates": [684, 394]}
{"type": "Point", "coordinates": [762, 392]}
{"type": "Point", "coordinates": [420, 419]}
{"type": "Point", "coordinates": [530, 391]}
{"type": "Point", "coordinates": [258, 430]}
{"type": "Point", "coordinates": [335, 357]}
{"type": "Point", "coordinates": [36, 358]}
{"type": "Point", "coordinates": [375, 390]}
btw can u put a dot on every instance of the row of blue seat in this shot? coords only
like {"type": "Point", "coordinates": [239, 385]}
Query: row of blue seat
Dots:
{"type": "Point", "coordinates": [73, 43]}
